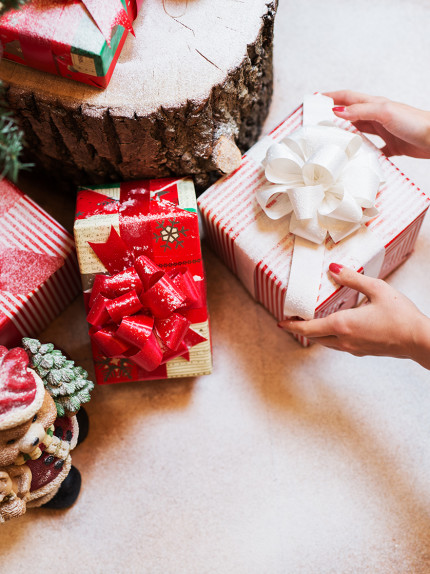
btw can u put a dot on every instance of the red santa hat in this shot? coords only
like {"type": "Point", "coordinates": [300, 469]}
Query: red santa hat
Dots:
{"type": "Point", "coordinates": [21, 389]}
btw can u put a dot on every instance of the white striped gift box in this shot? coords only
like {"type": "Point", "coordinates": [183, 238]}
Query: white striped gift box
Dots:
{"type": "Point", "coordinates": [236, 227]}
{"type": "Point", "coordinates": [39, 275]}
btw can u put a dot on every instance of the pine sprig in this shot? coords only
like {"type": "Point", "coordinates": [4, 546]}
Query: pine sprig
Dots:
{"type": "Point", "coordinates": [11, 137]}
{"type": "Point", "coordinates": [11, 5]}
{"type": "Point", "coordinates": [11, 143]}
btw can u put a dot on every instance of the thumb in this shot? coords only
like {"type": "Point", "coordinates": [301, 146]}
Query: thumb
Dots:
{"type": "Point", "coordinates": [354, 280]}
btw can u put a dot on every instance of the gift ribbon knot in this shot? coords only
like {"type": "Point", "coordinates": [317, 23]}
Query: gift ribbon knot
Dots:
{"type": "Point", "coordinates": [137, 311]}
{"type": "Point", "coordinates": [324, 178]}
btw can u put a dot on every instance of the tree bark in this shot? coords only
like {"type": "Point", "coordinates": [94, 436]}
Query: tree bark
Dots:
{"type": "Point", "coordinates": [189, 91]}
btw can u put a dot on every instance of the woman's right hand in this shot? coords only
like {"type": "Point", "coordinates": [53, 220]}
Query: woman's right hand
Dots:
{"type": "Point", "coordinates": [389, 325]}
{"type": "Point", "coordinates": [404, 129]}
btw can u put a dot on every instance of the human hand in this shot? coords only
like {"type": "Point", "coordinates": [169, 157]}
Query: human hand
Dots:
{"type": "Point", "coordinates": [404, 129]}
{"type": "Point", "coordinates": [389, 325]}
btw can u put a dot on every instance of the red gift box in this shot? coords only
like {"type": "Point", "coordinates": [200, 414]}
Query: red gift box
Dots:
{"type": "Point", "coordinates": [260, 250]}
{"type": "Point", "coordinates": [144, 286]}
{"type": "Point", "coordinates": [77, 39]}
{"type": "Point", "coordinates": [39, 275]}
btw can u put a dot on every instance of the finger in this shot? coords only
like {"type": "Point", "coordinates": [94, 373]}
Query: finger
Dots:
{"type": "Point", "coordinates": [376, 111]}
{"type": "Point", "coordinates": [349, 97]}
{"type": "Point", "coordinates": [336, 344]}
{"type": "Point", "coordinates": [312, 328]}
{"type": "Point", "coordinates": [377, 129]}
{"type": "Point", "coordinates": [357, 281]}
{"type": "Point", "coordinates": [386, 150]}
{"type": "Point", "coordinates": [330, 342]}
{"type": "Point", "coordinates": [367, 127]}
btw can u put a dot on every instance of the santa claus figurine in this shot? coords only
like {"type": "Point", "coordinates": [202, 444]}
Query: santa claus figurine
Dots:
{"type": "Point", "coordinates": [35, 442]}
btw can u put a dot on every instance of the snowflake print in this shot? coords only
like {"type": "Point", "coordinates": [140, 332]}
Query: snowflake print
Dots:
{"type": "Point", "coordinates": [115, 367]}
{"type": "Point", "coordinates": [170, 234]}
{"type": "Point", "coordinates": [106, 202]}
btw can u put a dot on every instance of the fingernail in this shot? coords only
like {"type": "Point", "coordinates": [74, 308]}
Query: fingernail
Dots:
{"type": "Point", "coordinates": [335, 268]}
{"type": "Point", "coordinates": [338, 108]}
{"type": "Point", "coordinates": [279, 325]}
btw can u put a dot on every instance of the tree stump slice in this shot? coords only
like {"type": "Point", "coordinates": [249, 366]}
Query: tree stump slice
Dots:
{"type": "Point", "coordinates": [189, 94]}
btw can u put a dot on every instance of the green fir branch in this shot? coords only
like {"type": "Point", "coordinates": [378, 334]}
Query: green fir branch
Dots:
{"type": "Point", "coordinates": [11, 137]}
{"type": "Point", "coordinates": [11, 143]}
{"type": "Point", "coordinates": [11, 5]}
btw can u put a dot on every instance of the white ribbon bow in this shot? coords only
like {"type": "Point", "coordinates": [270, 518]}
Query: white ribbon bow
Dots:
{"type": "Point", "coordinates": [325, 178]}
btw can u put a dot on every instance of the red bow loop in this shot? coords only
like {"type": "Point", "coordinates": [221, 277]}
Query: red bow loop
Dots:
{"type": "Point", "coordinates": [184, 282]}
{"type": "Point", "coordinates": [172, 330]}
{"type": "Point", "coordinates": [150, 356]}
{"type": "Point", "coordinates": [148, 272]}
{"type": "Point", "coordinates": [113, 286]}
{"type": "Point", "coordinates": [98, 315]}
{"type": "Point", "coordinates": [135, 330]}
{"type": "Point", "coordinates": [108, 343]}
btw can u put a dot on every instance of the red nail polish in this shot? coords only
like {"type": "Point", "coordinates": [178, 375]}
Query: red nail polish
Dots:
{"type": "Point", "coordinates": [338, 108]}
{"type": "Point", "coordinates": [279, 325]}
{"type": "Point", "coordinates": [335, 268]}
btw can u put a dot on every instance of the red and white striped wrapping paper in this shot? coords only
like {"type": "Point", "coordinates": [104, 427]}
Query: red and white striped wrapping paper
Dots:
{"type": "Point", "coordinates": [39, 275]}
{"type": "Point", "coordinates": [229, 207]}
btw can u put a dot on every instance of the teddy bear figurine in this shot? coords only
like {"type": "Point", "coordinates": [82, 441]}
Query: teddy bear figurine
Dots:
{"type": "Point", "coordinates": [37, 430]}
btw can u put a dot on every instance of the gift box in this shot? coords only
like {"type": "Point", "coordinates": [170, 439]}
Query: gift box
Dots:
{"type": "Point", "coordinates": [77, 39]}
{"type": "Point", "coordinates": [142, 274]}
{"type": "Point", "coordinates": [39, 274]}
{"type": "Point", "coordinates": [305, 197]}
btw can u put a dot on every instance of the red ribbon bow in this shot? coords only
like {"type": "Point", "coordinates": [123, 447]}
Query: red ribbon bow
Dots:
{"type": "Point", "coordinates": [137, 311]}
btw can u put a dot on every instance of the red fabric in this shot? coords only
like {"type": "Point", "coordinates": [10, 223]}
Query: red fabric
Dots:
{"type": "Point", "coordinates": [17, 384]}
{"type": "Point", "coordinates": [47, 467]}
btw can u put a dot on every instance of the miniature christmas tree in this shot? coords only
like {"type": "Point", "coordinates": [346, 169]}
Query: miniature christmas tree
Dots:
{"type": "Point", "coordinates": [66, 383]}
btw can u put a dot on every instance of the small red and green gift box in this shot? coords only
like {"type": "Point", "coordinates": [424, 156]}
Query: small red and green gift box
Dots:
{"type": "Point", "coordinates": [77, 39]}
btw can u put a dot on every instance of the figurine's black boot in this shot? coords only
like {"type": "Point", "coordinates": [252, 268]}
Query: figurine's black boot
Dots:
{"type": "Point", "coordinates": [68, 492]}
{"type": "Point", "coordinates": [83, 422]}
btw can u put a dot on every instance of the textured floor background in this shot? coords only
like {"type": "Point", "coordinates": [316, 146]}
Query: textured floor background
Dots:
{"type": "Point", "coordinates": [285, 460]}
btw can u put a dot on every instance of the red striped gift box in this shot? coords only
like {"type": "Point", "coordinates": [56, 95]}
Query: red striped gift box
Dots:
{"type": "Point", "coordinates": [39, 275]}
{"type": "Point", "coordinates": [229, 209]}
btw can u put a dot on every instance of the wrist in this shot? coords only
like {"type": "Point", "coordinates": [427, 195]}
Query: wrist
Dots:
{"type": "Point", "coordinates": [420, 341]}
{"type": "Point", "coordinates": [426, 125]}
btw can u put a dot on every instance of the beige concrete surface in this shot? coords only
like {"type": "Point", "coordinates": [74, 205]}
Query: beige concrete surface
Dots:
{"type": "Point", "coordinates": [284, 460]}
